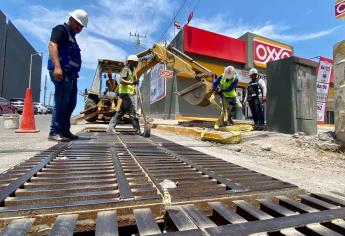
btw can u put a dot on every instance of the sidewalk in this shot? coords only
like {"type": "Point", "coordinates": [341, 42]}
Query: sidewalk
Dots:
{"type": "Point", "coordinates": [15, 147]}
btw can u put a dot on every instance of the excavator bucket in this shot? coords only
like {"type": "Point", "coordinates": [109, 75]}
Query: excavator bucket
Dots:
{"type": "Point", "coordinates": [198, 94]}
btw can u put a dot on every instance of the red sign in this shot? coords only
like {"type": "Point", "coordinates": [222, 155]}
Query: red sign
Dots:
{"type": "Point", "coordinates": [209, 44]}
{"type": "Point", "coordinates": [340, 9]}
{"type": "Point", "coordinates": [266, 50]}
{"type": "Point", "coordinates": [169, 74]}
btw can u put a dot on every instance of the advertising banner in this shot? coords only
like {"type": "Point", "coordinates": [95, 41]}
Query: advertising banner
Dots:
{"type": "Point", "coordinates": [157, 84]}
{"type": "Point", "coordinates": [266, 50]}
{"type": "Point", "coordinates": [340, 9]}
{"type": "Point", "coordinates": [324, 74]}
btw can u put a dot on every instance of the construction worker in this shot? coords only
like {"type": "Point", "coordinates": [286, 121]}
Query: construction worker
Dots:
{"type": "Point", "coordinates": [225, 85]}
{"type": "Point", "coordinates": [128, 82]}
{"type": "Point", "coordinates": [111, 85]}
{"type": "Point", "coordinates": [64, 65]}
{"type": "Point", "coordinates": [256, 95]}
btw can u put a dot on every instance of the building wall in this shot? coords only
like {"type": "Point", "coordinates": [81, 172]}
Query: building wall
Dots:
{"type": "Point", "coordinates": [200, 45]}
{"type": "Point", "coordinates": [16, 64]}
{"type": "Point", "coordinates": [2, 48]}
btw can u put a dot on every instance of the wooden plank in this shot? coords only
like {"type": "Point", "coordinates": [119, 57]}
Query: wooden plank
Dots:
{"type": "Point", "coordinates": [18, 227]}
{"type": "Point", "coordinates": [200, 219]}
{"type": "Point", "coordinates": [64, 225]}
{"type": "Point", "coordinates": [146, 223]}
{"type": "Point", "coordinates": [180, 219]}
{"type": "Point", "coordinates": [227, 214]}
{"type": "Point", "coordinates": [277, 224]}
{"type": "Point", "coordinates": [248, 209]}
{"type": "Point", "coordinates": [106, 224]}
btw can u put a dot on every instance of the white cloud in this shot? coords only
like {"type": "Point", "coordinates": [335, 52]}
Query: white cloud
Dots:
{"type": "Point", "coordinates": [94, 48]}
{"type": "Point", "coordinates": [109, 25]}
{"type": "Point", "coordinates": [39, 21]}
{"type": "Point", "coordinates": [116, 21]}
{"type": "Point", "coordinates": [222, 25]}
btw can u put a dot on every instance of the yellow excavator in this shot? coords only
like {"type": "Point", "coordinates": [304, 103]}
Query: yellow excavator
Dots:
{"type": "Point", "coordinates": [198, 94]}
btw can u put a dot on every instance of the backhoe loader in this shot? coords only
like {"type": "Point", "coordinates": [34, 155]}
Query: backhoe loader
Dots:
{"type": "Point", "coordinates": [198, 94]}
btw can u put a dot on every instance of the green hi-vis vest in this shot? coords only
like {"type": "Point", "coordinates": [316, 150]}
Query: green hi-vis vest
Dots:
{"type": "Point", "coordinates": [224, 85]}
{"type": "Point", "coordinates": [128, 89]}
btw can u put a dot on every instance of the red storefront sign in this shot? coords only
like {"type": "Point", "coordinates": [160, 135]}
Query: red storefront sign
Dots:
{"type": "Point", "coordinates": [340, 9]}
{"type": "Point", "coordinates": [206, 43]}
{"type": "Point", "coordinates": [266, 50]}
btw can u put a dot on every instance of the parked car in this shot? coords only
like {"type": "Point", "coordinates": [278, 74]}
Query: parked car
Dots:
{"type": "Point", "coordinates": [6, 107]}
{"type": "Point", "coordinates": [18, 103]}
{"type": "Point", "coordinates": [40, 108]}
{"type": "Point", "coordinates": [49, 109]}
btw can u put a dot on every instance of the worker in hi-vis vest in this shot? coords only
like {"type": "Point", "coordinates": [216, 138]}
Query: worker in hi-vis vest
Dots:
{"type": "Point", "coordinates": [225, 85]}
{"type": "Point", "coordinates": [128, 82]}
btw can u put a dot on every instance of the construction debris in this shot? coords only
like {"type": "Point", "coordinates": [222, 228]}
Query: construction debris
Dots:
{"type": "Point", "coordinates": [325, 141]}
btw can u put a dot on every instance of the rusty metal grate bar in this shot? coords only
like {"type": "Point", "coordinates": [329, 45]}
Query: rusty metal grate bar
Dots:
{"type": "Point", "coordinates": [230, 218]}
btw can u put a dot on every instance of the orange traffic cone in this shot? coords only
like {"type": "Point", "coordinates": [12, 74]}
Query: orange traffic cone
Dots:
{"type": "Point", "coordinates": [28, 118]}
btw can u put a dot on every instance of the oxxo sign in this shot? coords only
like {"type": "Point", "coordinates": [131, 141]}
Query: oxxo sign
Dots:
{"type": "Point", "coordinates": [340, 9]}
{"type": "Point", "coordinates": [169, 74]}
{"type": "Point", "coordinates": [266, 50]}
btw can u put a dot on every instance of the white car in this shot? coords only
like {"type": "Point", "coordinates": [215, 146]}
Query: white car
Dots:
{"type": "Point", "coordinates": [40, 108]}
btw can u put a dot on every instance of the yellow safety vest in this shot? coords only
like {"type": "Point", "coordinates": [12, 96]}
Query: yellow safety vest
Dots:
{"type": "Point", "coordinates": [128, 89]}
{"type": "Point", "coordinates": [224, 85]}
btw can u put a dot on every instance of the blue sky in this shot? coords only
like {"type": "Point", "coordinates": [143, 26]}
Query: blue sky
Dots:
{"type": "Point", "coordinates": [308, 25]}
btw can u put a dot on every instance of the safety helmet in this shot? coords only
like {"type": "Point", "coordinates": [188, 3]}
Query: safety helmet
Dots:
{"type": "Point", "coordinates": [253, 71]}
{"type": "Point", "coordinates": [229, 72]}
{"type": "Point", "coordinates": [133, 58]}
{"type": "Point", "coordinates": [80, 16]}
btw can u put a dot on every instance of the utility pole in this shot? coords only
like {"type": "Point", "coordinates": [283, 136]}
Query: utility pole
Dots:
{"type": "Point", "coordinates": [50, 96]}
{"type": "Point", "coordinates": [45, 91]}
{"type": "Point", "coordinates": [138, 37]}
{"type": "Point", "coordinates": [137, 46]}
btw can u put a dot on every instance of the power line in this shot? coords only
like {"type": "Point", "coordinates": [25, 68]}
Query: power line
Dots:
{"type": "Point", "coordinates": [172, 21]}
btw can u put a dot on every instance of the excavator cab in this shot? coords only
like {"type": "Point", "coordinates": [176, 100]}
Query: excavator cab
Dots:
{"type": "Point", "coordinates": [97, 105]}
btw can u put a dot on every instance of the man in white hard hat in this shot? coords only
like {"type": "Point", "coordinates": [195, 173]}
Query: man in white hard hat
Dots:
{"type": "Point", "coordinates": [64, 65]}
{"type": "Point", "coordinates": [225, 85]}
{"type": "Point", "coordinates": [128, 82]}
{"type": "Point", "coordinates": [256, 95]}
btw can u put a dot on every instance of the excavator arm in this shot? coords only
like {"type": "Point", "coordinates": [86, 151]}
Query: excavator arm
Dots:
{"type": "Point", "coordinates": [198, 93]}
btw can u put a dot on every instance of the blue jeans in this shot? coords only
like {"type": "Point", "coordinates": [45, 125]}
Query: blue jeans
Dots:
{"type": "Point", "coordinates": [65, 99]}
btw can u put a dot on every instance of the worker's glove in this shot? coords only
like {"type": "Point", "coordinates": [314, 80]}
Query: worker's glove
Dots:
{"type": "Point", "coordinates": [135, 82]}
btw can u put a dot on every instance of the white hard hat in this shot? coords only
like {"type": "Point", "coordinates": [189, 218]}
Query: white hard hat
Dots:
{"type": "Point", "coordinates": [132, 58]}
{"type": "Point", "coordinates": [80, 16]}
{"type": "Point", "coordinates": [253, 71]}
{"type": "Point", "coordinates": [229, 72]}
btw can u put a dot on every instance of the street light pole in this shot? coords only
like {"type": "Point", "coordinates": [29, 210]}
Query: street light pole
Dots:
{"type": "Point", "coordinates": [31, 55]}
